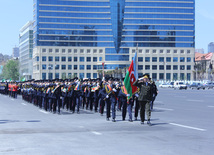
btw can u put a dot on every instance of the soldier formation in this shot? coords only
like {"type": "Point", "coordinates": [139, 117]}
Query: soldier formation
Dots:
{"type": "Point", "coordinates": [89, 94]}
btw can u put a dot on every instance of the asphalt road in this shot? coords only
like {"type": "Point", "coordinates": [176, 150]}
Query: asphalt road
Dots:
{"type": "Point", "coordinates": [182, 124]}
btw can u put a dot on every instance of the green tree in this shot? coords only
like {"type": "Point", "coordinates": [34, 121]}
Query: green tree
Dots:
{"type": "Point", "coordinates": [11, 70]}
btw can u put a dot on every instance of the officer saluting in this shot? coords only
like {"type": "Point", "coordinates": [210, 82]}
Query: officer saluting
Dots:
{"type": "Point", "coordinates": [145, 97]}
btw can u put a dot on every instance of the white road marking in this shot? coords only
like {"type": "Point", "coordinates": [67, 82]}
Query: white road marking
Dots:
{"type": "Point", "coordinates": [158, 101]}
{"type": "Point", "coordinates": [164, 109]}
{"type": "Point", "coordinates": [189, 127]}
{"type": "Point", "coordinates": [195, 100]}
{"type": "Point", "coordinates": [96, 133]}
{"type": "Point", "coordinates": [24, 104]}
{"type": "Point", "coordinates": [211, 106]}
{"type": "Point", "coordinates": [44, 112]}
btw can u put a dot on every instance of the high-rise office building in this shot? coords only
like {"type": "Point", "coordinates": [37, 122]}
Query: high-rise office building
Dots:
{"type": "Point", "coordinates": [75, 37]}
{"type": "Point", "coordinates": [26, 51]}
{"type": "Point", "coordinates": [15, 52]}
{"type": "Point", "coordinates": [211, 47]}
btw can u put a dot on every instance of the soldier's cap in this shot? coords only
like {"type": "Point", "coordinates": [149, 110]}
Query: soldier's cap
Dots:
{"type": "Point", "coordinates": [98, 79]}
{"type": "Point", "coordinates": [89, 79]}
{"type": "Point", "coordinates": [146, 76]}
{"type": "Point", "coordinates": [116, 79]}
{"type": "Point", "coordinates": [76, 78]}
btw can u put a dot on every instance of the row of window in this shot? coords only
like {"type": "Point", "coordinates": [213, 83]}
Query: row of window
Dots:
{"type": "Point", "coordinates": [169, 76]}
{"type": "Point", "coordinates": [69, 75]}
{"type": "Point", "coordinates": [69, 59]}
{"type": "Point", "coordinates": [44, 50]}
{"type": "Point", "coordinates": [162, 67]}
{"type": "Point", "coordinates": [163, 59]}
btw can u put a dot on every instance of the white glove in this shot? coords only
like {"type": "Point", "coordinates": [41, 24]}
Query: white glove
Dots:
{"type": "Point", "coordinates": [136, 95]}
{"type": "Point", "coordinates": [114, 90]}
{"type": "Point", "coordinates": [128, 95]}
{"type": "Point", "coordinates": [107, 96]}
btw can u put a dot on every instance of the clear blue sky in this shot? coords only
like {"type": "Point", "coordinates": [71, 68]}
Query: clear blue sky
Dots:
{"type": "Point", "coordinates": [15, 13]}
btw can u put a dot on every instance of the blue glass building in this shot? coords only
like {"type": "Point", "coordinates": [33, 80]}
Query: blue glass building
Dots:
{"type": "Point", "coordinates": [117, 27]}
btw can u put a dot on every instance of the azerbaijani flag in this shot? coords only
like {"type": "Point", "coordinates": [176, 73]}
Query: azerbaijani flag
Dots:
{"type": "Point", "coordinates": [131, 77]}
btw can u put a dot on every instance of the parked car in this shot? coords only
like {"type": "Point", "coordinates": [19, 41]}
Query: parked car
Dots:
{"type": "Point", "coordinates": [180, 85]}
{"type": "Point", "coordinates": [197, 85]}
{"type": "Point", "coordinates": [172, 84]}
{"type": "Point", "coordinates": [164, 85]}
{"type": "Point", "coordinates": [208, 85]}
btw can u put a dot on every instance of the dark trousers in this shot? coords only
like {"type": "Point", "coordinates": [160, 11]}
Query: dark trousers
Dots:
{"type": "Point", "coordinates": [108, 108]}
{"type": "Point", "coordinates": [137, 107]}
{"type": "Point", "coordinates": [102, 105]}
{"type": "Point", "coordinates": [145, 107]}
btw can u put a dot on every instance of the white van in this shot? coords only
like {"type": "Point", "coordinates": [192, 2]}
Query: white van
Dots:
{"type": "Point", "coordinates": [180, 85]}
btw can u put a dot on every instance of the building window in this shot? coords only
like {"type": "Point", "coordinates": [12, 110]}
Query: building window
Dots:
{"type": "Point", "coordinates": [161, 51]}
{"type": "Point", "coordinates": [182, 51]}
{"type": "Point", "coordinates": [56, 50]}
{"type": "Point", "coordinates": [81, 75]}
{"type": "Point", "coordinates": [161, 67]}
{"type": "Point", "coordinates": [81, 50]}
{"type": "Point", "coordinates": [100, 51]}
{"type": "Point", "coordinates": [188, 52]}
{"type": "Point", "coordinates": [75, 59]}
{"type": "Point", "coordinates": [88, 59]}
{"type": "Point", "coordinates": [154, 76]}
{"type": "Point", "coordinates": [50, 58]}
{"type": "Point", "coordinates": [63, 75]}
{"type": "Point", "coordinates": [50, 67]}
{"type": "Point", "coordinates": [154, 67]}
{"type": "Point", "coordinates": [188, 76]}
{"type": "Point", "coordinates": [37, 58]}
{"type": "Point", "coordinates": [161, 59]}
{"type": "Point", "coordinates": [175, 59]}
{"type": "Point", "coordinates": [147, 51]}
{"type": "Point", "coordinates": [182, 59]}
{"type": "Point", "coordinates": [88, 51]}
{"type": "Point", "coordinates": [153, 51]}
{"type": "Point", "coordinates": [140, 67]}
{"type": "Point", "coordinates": [69, 50]}
{"type": "Point", "coordinates": [182, 67]}
{"type": "Point", "coordinates": [188, 59]}
{"type": "Point", "coordinates": [168, 67]}
{"type": "Point", "coordinates": [63, 59]}
{"type": "Point", "coordinates": [147, 67]}
{"type": "Point", "coordinates": [94, 67]}
{"type": "Point", "coordinates": [140, 59]}
{"type": "Point", "coordinates": [82, 67]}
{"type": "Point", "coordinates": [175, 76]}
{"type": "Point", "coordinates": [75, 74]}
{"type": "Point", "coordinates": [75, 67]}
{"type": "Point", "coordinates": [69, 75]}
{"type": "Point", "coordinates": [56, 75]}
{"type": "Point", "coordinates": [168, 51]}
{"type": "Point", "coordinates": [140, 51]}
{"type": "Point", "coordinates": [56, 58]}
{"type": "Point", "coordinates": [88, 67]}
{"type": "Point", "coordinates": [147, 59]}
{"type": "Point", "coordinates": [140, 75]}
{"type": "Point", "coordinates": [69, 67]}
{"type": "Point", "coordinates": [188, 67]}
{"type": "Point", "coordinates": [50, 50]}
{"type": "Point", "coordinates": [82, 59]}
{"type": "Point", "coordinates": [175, 67]}
{"type": "Point", "coordinates": [63, 50]}
{"type": "Point", "coordinates": [69, 59]}
{"type": "Point", "coordinates": [43, 50]}
{"type": "Point", "coordinates": [168, 59]}
{"type": "Point", "coordinates": [75, 50]}
{"type": "Point", "coordinates": [94, 51]}
{"type": "Point", "coordinates": [182, 76]}
{"type": "Point", "coordinates": [175, 51]}
{"type": "Point", "coordinates": [168, 76]}
{"type": "Point", "coordinates": [50, 76]}
{"type": "Point", "coordinates": [154, 59]}
{"type": "Point", "coordinates": [133, 51]}
{"type": "Point", "coordinates": [88, 75]}
{"type": "Point", "coordinates": [63, 67]}
{"type": "Point", "coordinates": [94, 75]}
{"type": "Point", "coordinates": [94, 59]}
{"type": "Point", "coordinates": [37, 66]}
{"type": "Point", "coordinates": [100, 58]}
{"type": "Point", "coordinates": [44, 67]}
{"type": "Point", "coordinates": [43, 58]}
{"type": "Point", "coordinates": [56, 67]}
{"type": "Point", "coordinates": [161, 76]}
{"type": "Point", "coordinates": [43, 76]}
